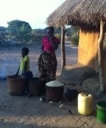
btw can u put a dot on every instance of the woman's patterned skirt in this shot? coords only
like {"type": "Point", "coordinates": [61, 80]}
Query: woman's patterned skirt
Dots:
{"type": "Point", "coordinates": [47, 65]}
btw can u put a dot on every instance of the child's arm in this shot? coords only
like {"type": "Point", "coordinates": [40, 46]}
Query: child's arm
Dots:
{"type": "Point", "coordinates": [18, 70]}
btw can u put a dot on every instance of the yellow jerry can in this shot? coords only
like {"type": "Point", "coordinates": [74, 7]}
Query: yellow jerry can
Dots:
{"type": "Point", "coordinates": [85, 104]}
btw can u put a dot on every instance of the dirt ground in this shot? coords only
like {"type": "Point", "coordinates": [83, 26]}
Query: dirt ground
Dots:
{"type": "Point", "coordinates": [30, 112]}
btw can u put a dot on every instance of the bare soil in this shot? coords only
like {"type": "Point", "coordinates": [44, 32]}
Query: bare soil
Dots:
{"type": "Point", "coordinates": [29, 112]}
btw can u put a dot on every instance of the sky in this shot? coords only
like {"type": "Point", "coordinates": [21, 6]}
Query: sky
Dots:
{"type": "Point", "coordinates": [35, 12]}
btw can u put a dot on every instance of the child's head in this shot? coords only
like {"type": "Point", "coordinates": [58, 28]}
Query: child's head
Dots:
{"type": "Point", "coordinates": [24, 51]}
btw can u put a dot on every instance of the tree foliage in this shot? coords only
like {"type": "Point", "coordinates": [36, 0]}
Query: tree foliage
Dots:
{"type": "Point", "coordinates": [20, 29]}
{"type": "Point", "coordinates": [19, 32]}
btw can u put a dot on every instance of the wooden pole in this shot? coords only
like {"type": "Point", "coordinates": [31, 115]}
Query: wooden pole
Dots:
{"type": "Point", "coordinates": [100, 57]}
{"type": "Point", "coordinates": [63, 57]}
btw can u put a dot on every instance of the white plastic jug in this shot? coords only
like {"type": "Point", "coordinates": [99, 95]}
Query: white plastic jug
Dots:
{"type": "Point", "coordinates": [85, 104]}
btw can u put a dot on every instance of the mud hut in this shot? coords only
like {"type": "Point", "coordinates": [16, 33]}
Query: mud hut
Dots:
{"type": "Point", "coordinates": [90, 16]}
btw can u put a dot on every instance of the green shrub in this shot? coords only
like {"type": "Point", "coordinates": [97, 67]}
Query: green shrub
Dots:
{"type": "Point", "coordinates": [75, 39]}
{"type": "Point", "coordinates": [37, 38]}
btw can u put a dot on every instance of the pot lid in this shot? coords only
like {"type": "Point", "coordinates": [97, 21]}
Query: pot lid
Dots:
{"type": "Point", "coordinates": [54, 83]}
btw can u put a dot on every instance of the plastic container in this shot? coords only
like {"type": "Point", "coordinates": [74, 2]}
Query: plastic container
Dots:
{"type": "Point", "coordinates": [54, 91]}
{"type": "Point", "coordinates": [101, 112]}
{"type": "Point", "coordinates": [85, 104]}
{"type": "Point", "coordinates": [36, 87]}
{"type": "Point", "coordinates": [16, 85]}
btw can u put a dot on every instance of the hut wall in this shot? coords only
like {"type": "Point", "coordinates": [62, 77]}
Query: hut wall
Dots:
{"type": "Point", "coordinates": [87, 50]}
{"type": "Point", "coordinates": [104, 53]}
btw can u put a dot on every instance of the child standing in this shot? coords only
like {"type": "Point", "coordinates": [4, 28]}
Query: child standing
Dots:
{"type": "Point", "coordinates": [24, 67]}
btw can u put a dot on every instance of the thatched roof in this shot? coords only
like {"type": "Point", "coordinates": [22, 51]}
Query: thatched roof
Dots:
{"type": "Point", "coordinates": [59, 16]}
{"type": "Point", "coordinates": [84, 13]}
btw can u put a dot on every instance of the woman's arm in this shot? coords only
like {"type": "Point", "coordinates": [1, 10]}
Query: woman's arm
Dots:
{"type": "Point", "coordinates": [55, 42]}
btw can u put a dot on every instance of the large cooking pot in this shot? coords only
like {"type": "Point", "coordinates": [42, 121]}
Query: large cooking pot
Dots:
{"type": "Point", "coordinates": [54, 90]}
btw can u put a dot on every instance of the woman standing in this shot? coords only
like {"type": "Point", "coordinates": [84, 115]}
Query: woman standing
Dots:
{"type": "Point", "coordinates": [47, 62]}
